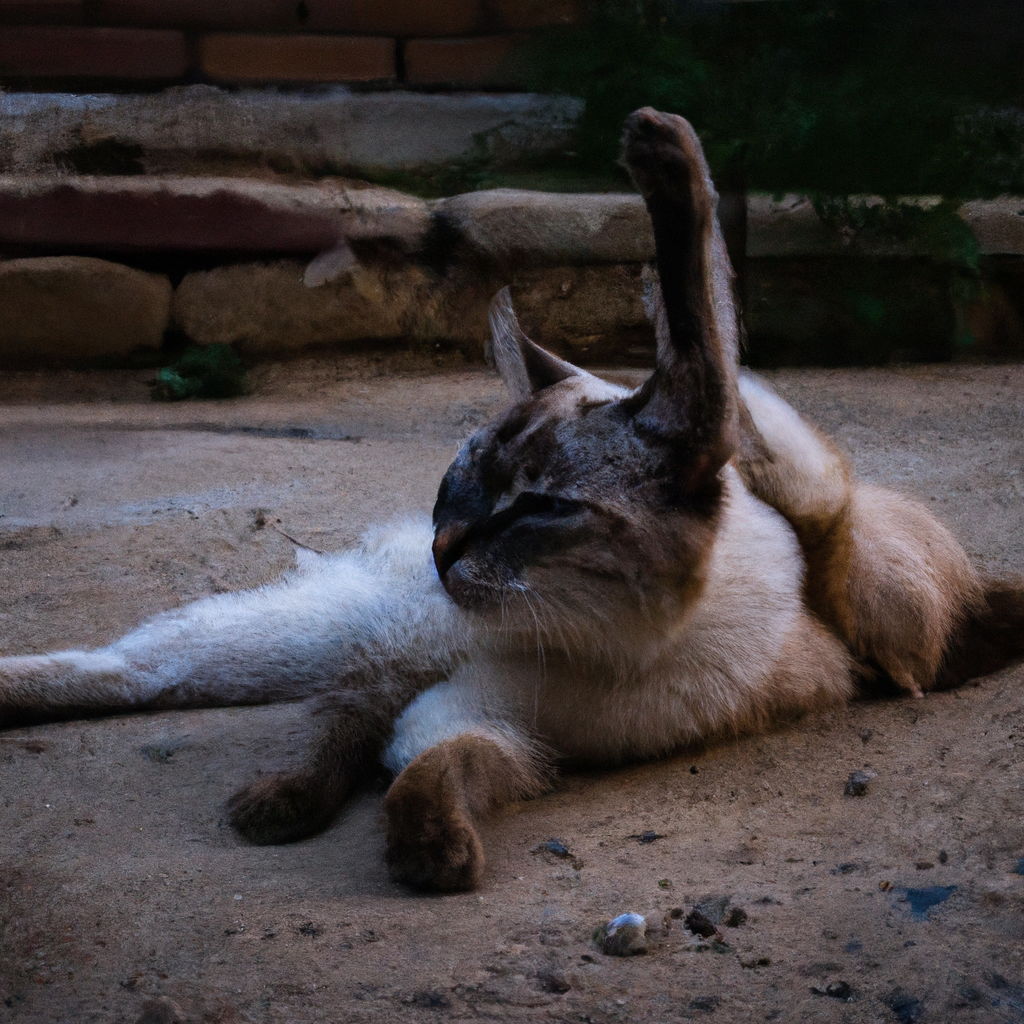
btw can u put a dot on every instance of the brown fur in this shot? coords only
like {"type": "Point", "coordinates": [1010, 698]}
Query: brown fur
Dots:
{"type": "Point", "coordinates": [433, 805]}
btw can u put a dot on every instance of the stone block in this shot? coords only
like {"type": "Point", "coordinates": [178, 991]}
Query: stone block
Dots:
{"type": "Point", "coordinates": [75, 308]}
{"type": "Point", "coordinates": [525, 14]}
{"type": "Point", "coordinates": [586, 313]}
{"type": "Point", "coordinates": [403, 18]}
{"type": "Point", "coordinates": [488, 61]}
{"type": "Point", "coordinates": [265, 309]}
{"type": "Point", "coordinates": [72, 51]}
{"type": "Point", "coordinates": [998, 224]}
{"type": "Point", "coordinates": [513, 226]}
{"type": "Point", "coordinates": [203, 214]}
{"type": "Point", "coordinates": [246, 57]}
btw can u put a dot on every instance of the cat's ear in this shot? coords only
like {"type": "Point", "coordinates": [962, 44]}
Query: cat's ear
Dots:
{"type": "Point", "coordinates": [691, 399]}
{"type": "Point", "coordinates": [524, 366]}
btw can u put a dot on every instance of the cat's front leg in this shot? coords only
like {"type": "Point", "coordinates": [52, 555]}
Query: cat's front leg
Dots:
{"type": "Point", "coordinates": [434, 804]}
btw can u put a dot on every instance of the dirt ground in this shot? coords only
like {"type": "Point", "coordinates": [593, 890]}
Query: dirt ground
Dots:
{"type": "Point", "coordinates": [120, 883]}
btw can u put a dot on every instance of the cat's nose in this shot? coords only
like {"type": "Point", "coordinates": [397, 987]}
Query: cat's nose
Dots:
{"type": "Point", "coordinates": [448, 544]}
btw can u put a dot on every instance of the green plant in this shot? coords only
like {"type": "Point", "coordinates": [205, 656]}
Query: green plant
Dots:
{"type": "Point", "coordinates": [826, 96]}
{"type": "Point", "coordinates": [213, 371]}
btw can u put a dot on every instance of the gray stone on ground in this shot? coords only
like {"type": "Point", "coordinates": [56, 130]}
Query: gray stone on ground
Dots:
{"type": "Point", "coordinates": [79, 308]}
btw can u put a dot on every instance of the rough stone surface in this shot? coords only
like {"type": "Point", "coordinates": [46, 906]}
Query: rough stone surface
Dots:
{"type": "Point", "coordinates": [265, 308]}
{"type": "Point", "coordinates": [586, 313]}
{"type": "Point", "coordinates": [77, 308]}
{"type": "Point", "coordinates": [198, 128]}
{"type": "Point", "coordinates": [998, 224]}
{"type": "Point", "coordinates": [508, 226]}
{"type": "Point", "coordinates": [790, 227]}
{"type": "Point", "coordinates": [196, 214]}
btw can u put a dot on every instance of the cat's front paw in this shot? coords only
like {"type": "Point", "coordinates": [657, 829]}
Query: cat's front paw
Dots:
{"type": "Point", "coordinates": [280, 809]}
{"type": "Point", "coordinates": [431, 842]}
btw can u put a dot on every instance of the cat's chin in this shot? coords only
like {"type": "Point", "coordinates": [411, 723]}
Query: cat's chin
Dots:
{"type": "Point", "coordinates": [475, 594]}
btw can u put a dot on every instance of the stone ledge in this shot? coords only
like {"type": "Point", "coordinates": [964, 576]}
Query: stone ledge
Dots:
{"type": "Point", "coordinates": [141, 214]}
{"type": "Point", "coordinates": [500, 226]}
{"type": "Point", "coordinates": [193, 129]}
{"type": "Point", "coordinates": [512, 226]}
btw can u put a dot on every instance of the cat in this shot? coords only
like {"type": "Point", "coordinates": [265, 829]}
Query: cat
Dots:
{"type": "Point", "coordinates": [610, 575]}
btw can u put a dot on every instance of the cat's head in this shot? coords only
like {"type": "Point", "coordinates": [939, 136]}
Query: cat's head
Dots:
{"type": "Point", "coordinates": [572, 512]}
{"type": "Point", "coordinates": [586, 511]}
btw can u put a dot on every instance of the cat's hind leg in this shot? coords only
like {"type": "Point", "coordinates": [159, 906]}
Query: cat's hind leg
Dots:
{"type": "Point", "coordinates": [889, 578]}
{"type": "Point", "coordinates": [353, 724]}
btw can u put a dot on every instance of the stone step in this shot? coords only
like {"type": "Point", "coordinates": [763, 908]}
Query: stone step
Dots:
{"type": "Point", "coordinates": [201, 129]}
{"type": "Point", "coordinates": [144, 213]}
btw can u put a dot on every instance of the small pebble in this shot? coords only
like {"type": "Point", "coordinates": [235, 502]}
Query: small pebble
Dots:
{"type": "Point", "coordinates": [700, 924]}
{"type": "Point", "coordinates": [837, 990]}
{"type": "Point", "coordinates": [857, 783]}
{"type": "Point", "coordinates": [625, 935]}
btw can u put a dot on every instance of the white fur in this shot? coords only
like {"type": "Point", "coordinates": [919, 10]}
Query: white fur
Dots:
{"type": "Point", "coordinates": [333, 615]}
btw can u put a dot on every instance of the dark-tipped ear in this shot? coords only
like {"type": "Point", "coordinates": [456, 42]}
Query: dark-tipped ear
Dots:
{"type": "Point", "coordinates": [525, 368]}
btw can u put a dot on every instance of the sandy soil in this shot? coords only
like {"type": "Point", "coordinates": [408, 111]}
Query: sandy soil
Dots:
{"type": "Point", "coordinates": [120, 884]}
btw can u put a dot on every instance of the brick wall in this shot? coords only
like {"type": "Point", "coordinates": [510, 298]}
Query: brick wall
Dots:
{"type": "Point", "coordinates": [80, 45]}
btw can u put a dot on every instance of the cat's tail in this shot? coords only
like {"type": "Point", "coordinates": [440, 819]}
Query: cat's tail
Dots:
{"type": "Point", "coordinates": [990, 636]}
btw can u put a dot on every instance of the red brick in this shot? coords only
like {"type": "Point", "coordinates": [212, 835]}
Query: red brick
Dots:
{"type": "Point", "coordinates": [92, 52]}
{"type": "Point", "coordinates": [222, 14]}
{"type": "Point", "coordinates": [523, 14]}
{"type": "Point", "coordinates": [40, 12]}
{"type": "Point", "coordinates": [395, 17]}
{"type": "Point", "coordinates": [241, 57]}
{"type": "Point", "coordinates": [486, 61]}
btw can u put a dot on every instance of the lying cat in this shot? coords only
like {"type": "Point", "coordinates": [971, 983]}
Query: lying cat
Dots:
{"type": "Point", "coordinates": [610, 575]}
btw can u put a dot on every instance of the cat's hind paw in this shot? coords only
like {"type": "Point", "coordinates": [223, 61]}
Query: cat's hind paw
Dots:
{"type": "Point", "coordinates": [280, 809]}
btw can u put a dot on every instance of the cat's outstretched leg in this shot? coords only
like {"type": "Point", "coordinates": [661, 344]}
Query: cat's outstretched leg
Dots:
{"type": "Point", "coordinates": [348, 616]}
